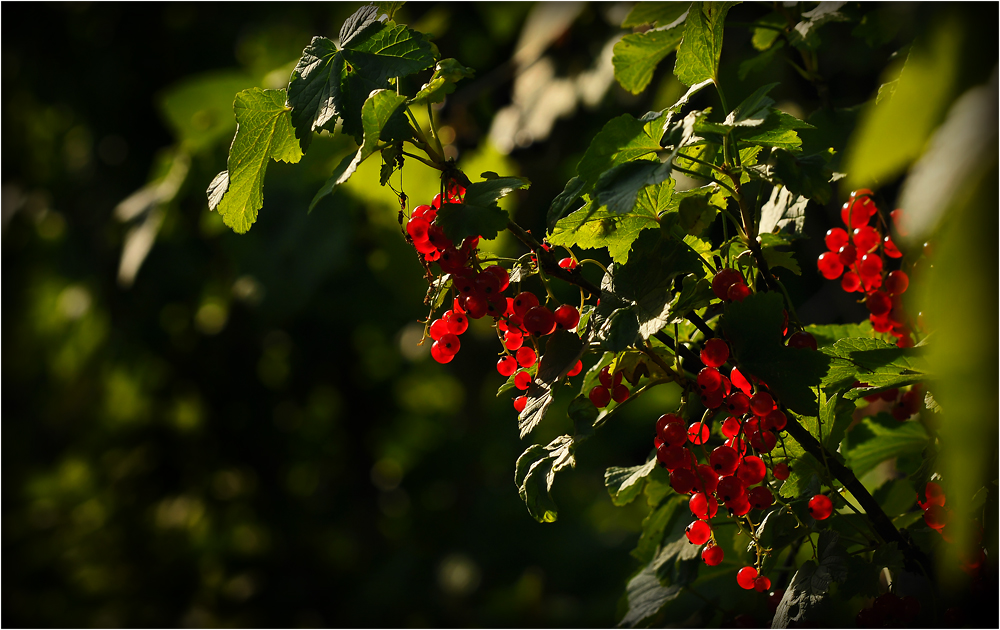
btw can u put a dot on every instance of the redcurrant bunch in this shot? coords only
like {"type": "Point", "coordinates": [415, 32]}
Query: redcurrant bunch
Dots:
{"type": "Point", "coordinates": [858, 256]}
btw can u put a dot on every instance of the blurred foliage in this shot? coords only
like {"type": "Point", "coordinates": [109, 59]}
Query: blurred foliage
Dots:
{"type": "Point", "coordinates": [244, 431]}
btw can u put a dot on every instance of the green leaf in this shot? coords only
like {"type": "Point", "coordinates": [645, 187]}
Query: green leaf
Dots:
{"type": "Point", "coordinates": [759, 62]}
{"type": "Point", "coordinates": [583, 413]}
{"type": "Point", "coordinates": [654, 526]}
{"type": "Point", "coordinates": [808, 176]}
{"type": "Point", "coordinates": [447, 73]}
{"type": "Point", "coordinates": [783, 209]}
{"type": "Point", "coordinates": [811, 583]}
{"type": "Point", "coordinates": [354, 26]}
{"type": "Point", "coordinates": [754, 109]}
{"type": "Point", "coordinates": [777, 258]}
{"type": "Point", "coordinates": [371, 60]}
{"type": "Point", "coordinates": [803, 480]}
{"type": "Point", "coordinates": [389, 8]}
{"type": "Point", "coordinates": [618, 188]}
{"type": "Point", "coordinates": [625, 484]}
{"type": "Point", "coordinates": [698, 54]}
{"type": "Point", "coordinates": [829, 334]}
{"type": "Point", "coordinates": [314, 89]}
{"type": "Point", "coordinates": [565, 200]}
{"type": "Point", "coordinates": [535, 472]}
{"type": "Point", "coordinates": [376, 114]}
{"type": "Point", "coordinates": [695, 213]}
{"type": "Point", "coordinates": [657, 13]}
{"type": "Point", "coordinates": [646, 597]}
{"type": "Point", "coordinates": [763, 38]}
{"type": "Point", "coordinates": [636, 56]}
{"type": "Point", "coordinates": [804, 35]}
{"type": "Point", "coordinates": [753, 328]}
{"type": "Point", "coordinates": [620, 330]}
{"type": "Point", "coordinates": [836, 415]}
{"type": "Point", "coordinates": [622, 139]}
{"type": "Point", "coordinates": [894, 133]}
{"type": "Point", "coordinates": [647, 279]}
{"type": "Point", "coordinates": [562, 350]}
{"type": "Point", "coordinates": [263, 132]}
{"type": "Point", "coordinates": [490, 190]}
{"type": "Point", "coordinates": [479, 215]}
{"type": "Point", "coordinates": [460, 220]}
{"type": "Point", "coordinates": [696, 293]}
{"type": "Point", "coordinates": [872, 361]}
{"type": "Point", "coordinates": [777, 131]}
{"type": "Point", "coordinates": [591, 228]}
{"type": "Point", "coordinates": [871, 443]}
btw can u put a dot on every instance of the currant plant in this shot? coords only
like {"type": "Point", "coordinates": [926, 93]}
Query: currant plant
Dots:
{"type": "Point", "coordinates": [779, 422]}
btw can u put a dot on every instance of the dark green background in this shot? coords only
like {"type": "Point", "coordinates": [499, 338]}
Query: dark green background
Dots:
{"type": "Point", "coordinates": [298, 465]}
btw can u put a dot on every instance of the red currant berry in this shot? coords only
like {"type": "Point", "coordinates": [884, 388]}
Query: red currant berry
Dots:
{"type": "Point", "coordinates": [740, 381]}
{"type": "Point", "coordinates": [420, 211]}
{"type": "Point", "coordinates": [847, 255]}
{"type": "Point", "coordinates": [724, 460]}
{"type": "Point", "coordinates": [866, 238]}
{"type": "Point", "coordinates": [449, 343]}
{"type": "Point", "coordinates": [715, 353]}
{"type": "Point", "coordinates": [674, 433]}
{"type": "Point", "coordinates": [712, 555]}
{"type": "Point", "coordinates": [576, 369]}
{"type": "Point", "coordinates": [829, 265]}
{"type": "Point", "coordinates": [751, 470]}
{"type": "Point", "coordinates": [934, 493]}
{"type": "Point", "coordinates": [835, 239]}
{"type": "Point", "coordinates": [703, 506]}
{"type": "Point", "coordinates": [567, 317]}
{"type": "Point", "coordinates": [850, 282]}
{"type": "Point", "coordinates": [878, 303]}
{"type": "Point", "coordinates": [709, 379]}
{"type": "Point", "coordinates": [739, 506]}
{"type": "Point", "coordinates": [896, 282]}
{"type": "Point", "coordinates": [738, 292]}
{"type": "Point", "coordinates": [707, 480]}
{"type": "Point", "coordinates": [439, 328]}
{"type": "Point", "coordinates": [820, 507]}
{"type": "Point", "coordinates": [774, 421]}
{"type": "Point", "coordinates": [730, 488]}
{"type": "Point", "coordinates": [501, 275]}
{"type": "Point", "coordinates": [458, 323]}
{"type": "Point", "coordinates": [524, 301]}
{"type": "Point", "coordinates": [682, 480]}
{"type": "Point", "coordinates": [761, 584]}
{"type": "Point", "coordinates": [936, 516]}
{"type": "Point", "coordinates": [440, 354]}
{"type": "Point", "coordinates": [539, 320]}
{"type": "Point", "coordinates": [738, 404]}
{"type": "Point", "coordinates": [600, 396]}
{"type": "Point", "coordinates": [761, 404]}
{"type": "Point", "coordinates": [525, 357]}
{"type": "Point", "coordinates": [760, 498]}
{"type": "Point", "coordinates": [723, 280]}
{"type": "Point", "coordinates": [568, 263]}
{"type": "Point", "coordinates": [417, 228]}
{"type": "Point", "coordinates": [476, 306]}
{"type": "Point", "coordinates": [713, 400]}
{"type": "Point", "coordinates": [781, 471]}
{"type": "Point", "coordinates": [802, 339]}
{"type": "Point", "coordinates": [698, 532]}
{"type": "Point", "coordinates": [890, 249]}
{"type": "Point", "coordinates": [745, 577]}
{"type": "Point", "coordinates": [513, 340]}
{"type": "Point", "coordinates": [672, 457]}
{"type": "Point", "coordinates": [870, 266]}
{"type": "Point", "coordinates": [731, 427]}
{"type": "Point", "coordinates": [506, 366]}
{"type": "Point", "coordinates": [520, 403]}
{"type": "Point", "coordinates": [620, 393]}
{"type": "Point", "coordinates": [698, 433]}
{"type": "Point", "coordinates": [522, 380]}
{"type": "Point", "coordinates": [664, 420]}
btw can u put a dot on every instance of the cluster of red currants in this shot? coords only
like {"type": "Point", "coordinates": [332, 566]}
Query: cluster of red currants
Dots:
{"type": "Point", "coordinates": [733, 474]}
{"type": "Point", "coordinates": [611, 388]}
{"type": "Point", "coordinates": [856, 257]}
{"type": "Point", "coordinates": [481, 291]}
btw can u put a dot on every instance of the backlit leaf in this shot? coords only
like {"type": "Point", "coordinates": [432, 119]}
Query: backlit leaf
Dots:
{"type": "Point", "coordinates": [636, 56]}
{"type": "Point", "coordinates": [698, 54]}
{"type": "Point", "coordinates": [625, 484]}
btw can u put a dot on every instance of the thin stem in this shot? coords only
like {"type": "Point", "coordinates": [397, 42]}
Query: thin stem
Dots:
{"type": "Point", "coordinates": [547, 261]}
{"type": "Point", "coordinates": [422, 160]}
{"type": "Point", "coordinates": [658, 360]}
{"type": "Point", "coordinates": [599, 422]}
